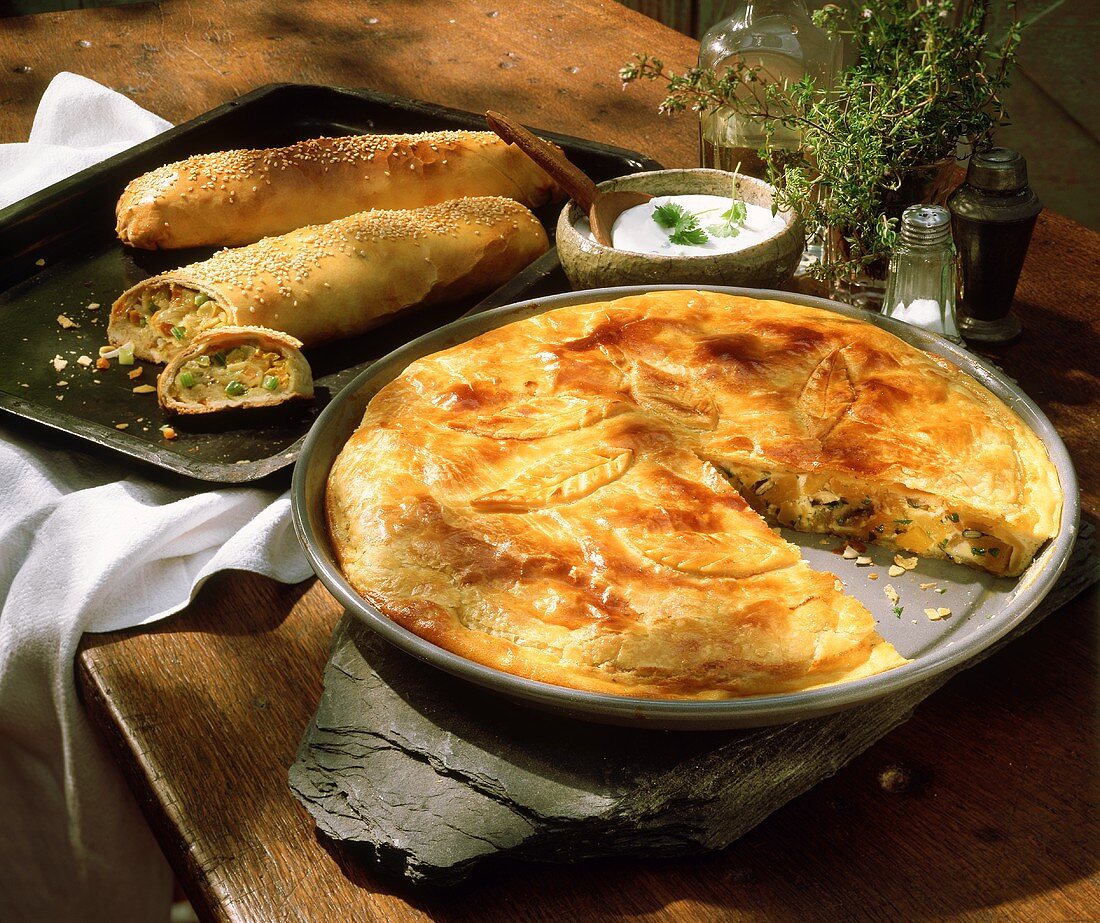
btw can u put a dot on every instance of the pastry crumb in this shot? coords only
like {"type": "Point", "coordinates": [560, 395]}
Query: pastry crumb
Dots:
{"type": "Point", "coordinates": [872, 576]}
{"type": "Point", "coordinates": [135, 373]}
{"type": "Point", "coordinates": [66, 323]}
{"type": "Point", "coordinates": [93, 305]}
{"type": "Point", "coordinates": [144, 389]}
{"type": "Point", "coordinates": [102, 363]}
{"type": "Point", "coordinates": [891, 593]}
{"type": "Point", "coordinates": [58, 363]}
{"type": "Point", "coordinates": [84, 361]}
{"type": "Point", "coordinates": [850, 553]}
{"type": "Point", "coordinates": [167, 432]}
{"type": "Point", "coordinates": [895, 779]}
{"type": "Point", "coordinates": [928, 586]}
{"type": "Point", "coordinates": [907, 563]}
{"type": "Point", "coordinates": [40, 262]}
{"type": "Point", "coordinates": [937, 614]}
{"type": "Point", "coordinates": [896, 570]}
{"type": "Point", "coordinates": [863, 561]}
{"type": "Point", "coordinates": [122, 426]}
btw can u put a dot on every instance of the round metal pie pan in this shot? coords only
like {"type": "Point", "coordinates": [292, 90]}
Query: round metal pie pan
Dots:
{"type": "Point", "coordinates": [984, 608]}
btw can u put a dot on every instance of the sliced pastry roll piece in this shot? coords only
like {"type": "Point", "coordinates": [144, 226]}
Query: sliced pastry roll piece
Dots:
{"type": "Point", "coordinates": [228, 368]}
{"type": "Point", "coordinates": [230, 198]}
{"type": "Point", "coordinates": [333, 280]}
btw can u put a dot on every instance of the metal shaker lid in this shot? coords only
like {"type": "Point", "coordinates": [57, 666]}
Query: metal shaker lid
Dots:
{"type": "Point", "coordinates": [925, 226]}
{"type": "Point", "coordinates": [997, 170]}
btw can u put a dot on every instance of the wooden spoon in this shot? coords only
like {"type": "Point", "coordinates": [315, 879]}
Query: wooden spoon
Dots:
{"type": "Point", "coordinates": [602, 207]}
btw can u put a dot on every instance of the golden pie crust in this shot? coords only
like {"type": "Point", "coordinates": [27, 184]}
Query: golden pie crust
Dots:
{"type": "Point", "coordinates": [580, 497]}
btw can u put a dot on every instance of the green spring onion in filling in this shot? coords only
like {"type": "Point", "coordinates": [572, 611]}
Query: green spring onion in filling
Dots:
{"type": "Point", "coordinates": [201, 299]}
{"type": "Point", "coordinates": [179, 332]}
{"type": "Point", "coordinates": [186, 379]}
{"type": "Point", "coordinates": [204, 361]}
{"type": "Point", "coordinates": [271, 383]}
{"type": "Point", "coordinates": [219, 358]}
{"type": "Point", "coordinates": [235, 388]}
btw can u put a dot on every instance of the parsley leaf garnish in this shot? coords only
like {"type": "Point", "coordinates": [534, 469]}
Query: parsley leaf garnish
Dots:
{"type": "Point", "coordinates": [735, 215]}
{"type": "Point", "coordinates": [688, 233]}
{"type": "Point", "coordinates": [682, 223]}
{"type": "Point", "coordinates": [669, 215]}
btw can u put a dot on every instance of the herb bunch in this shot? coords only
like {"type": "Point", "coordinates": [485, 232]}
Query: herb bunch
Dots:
{"type": "Point", "coordinates": [927, 76]}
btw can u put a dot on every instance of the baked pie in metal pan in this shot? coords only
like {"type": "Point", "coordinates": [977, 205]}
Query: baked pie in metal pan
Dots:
{"type": "Point", "coordinates": [588, 497]}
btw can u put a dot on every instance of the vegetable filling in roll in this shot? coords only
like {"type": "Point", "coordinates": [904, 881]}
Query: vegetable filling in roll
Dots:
{"type": "Point", "coordinates": [171, 315]}
{"type": "Point", "coordinates": [229, 367]}
{"type": "Point", "coordinates": [233, 373]}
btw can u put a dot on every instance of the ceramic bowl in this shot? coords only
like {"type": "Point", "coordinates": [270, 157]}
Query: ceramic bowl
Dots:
{"type": "Point", "coordinates": [765, 265]}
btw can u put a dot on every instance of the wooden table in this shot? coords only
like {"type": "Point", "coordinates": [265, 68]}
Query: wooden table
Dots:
{"type": "Point", "coordinates": [205, 709]}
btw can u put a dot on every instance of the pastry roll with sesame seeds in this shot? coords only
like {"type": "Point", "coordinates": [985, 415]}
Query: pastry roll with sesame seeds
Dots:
{"type": "Point", "coordinates": [229, 368]}
{"type": "Point", "coordinates": [334, 280]}
{"type": "Point", "coordinates": [230, 198]}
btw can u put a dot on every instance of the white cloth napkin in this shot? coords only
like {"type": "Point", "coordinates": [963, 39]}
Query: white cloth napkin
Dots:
{"type": "Point", "coordinates": [88, 545]}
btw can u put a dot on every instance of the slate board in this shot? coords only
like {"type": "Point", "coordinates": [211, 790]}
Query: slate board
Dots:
{"type": "Point", "coordinates": [434, 775]}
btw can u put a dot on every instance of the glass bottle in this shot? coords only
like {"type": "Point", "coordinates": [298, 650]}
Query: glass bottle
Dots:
{"type": "Point", "coordinates": [780, 37]}
{"type": "Point", "coordinates": [920, 285]}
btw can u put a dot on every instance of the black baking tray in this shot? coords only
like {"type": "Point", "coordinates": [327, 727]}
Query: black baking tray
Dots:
{"type": "Point", "coordinates": [59, 254]}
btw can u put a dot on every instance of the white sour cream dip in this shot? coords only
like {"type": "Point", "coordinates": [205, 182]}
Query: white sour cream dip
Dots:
{"type": "Point", "coordinates": [636, 231]}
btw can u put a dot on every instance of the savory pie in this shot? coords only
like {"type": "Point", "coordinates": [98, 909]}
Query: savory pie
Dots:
{"type": "Point", "coordinates": [584, 497]}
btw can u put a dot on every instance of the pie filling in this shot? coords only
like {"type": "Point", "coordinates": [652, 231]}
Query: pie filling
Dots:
{"type": "Point", "coordinates": [908, 520]}
{"type": "Point", "coordinates": [240, 372]}
{"type": "Point", "coordinates": [169, 316]}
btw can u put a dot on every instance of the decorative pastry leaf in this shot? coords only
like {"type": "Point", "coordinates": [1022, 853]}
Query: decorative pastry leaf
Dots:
{"type": "Point", "coordinates": [537, 417]}
{"type": "Point", "coordinates": [716, 555]}
{"type": "Point", "coordinates": [671, 396]}
{"type": "Point", "coordinates": [561, 479]}
{"type": "Point", "coordinates": [827, 395]}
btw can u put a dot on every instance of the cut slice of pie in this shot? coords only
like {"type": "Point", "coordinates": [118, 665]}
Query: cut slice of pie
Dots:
{"type": "Point", "coordinates": [583, 497]}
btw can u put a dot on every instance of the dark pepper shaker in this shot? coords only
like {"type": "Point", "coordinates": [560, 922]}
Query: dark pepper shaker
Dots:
{"type": "Point", "coordinates": [992, 216]}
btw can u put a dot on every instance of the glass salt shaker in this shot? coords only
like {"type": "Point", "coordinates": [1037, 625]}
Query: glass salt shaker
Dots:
{"type": "Point", "coordinates": [920, 287]}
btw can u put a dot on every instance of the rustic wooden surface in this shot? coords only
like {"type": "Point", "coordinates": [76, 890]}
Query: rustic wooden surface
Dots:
{"type": "Point", "coordinates": [205, 710]}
